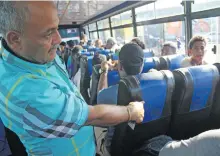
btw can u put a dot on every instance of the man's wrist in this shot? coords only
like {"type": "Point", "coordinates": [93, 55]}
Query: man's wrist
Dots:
{"type": "Point", "coordinates": [103, 71]}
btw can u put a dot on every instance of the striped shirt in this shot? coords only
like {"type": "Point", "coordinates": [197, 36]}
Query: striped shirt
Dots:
{"type": "Point", "coordinates": [41, 105]}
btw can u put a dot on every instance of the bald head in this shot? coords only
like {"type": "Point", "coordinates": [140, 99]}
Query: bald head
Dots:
{"type": "Point", "coordinates": [30, 29]}
{"type": "Point", "coordinates": [15, 14]}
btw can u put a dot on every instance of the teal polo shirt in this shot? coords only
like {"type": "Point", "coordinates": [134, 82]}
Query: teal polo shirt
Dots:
{"type": "Point", "coordinates": [42, 106]}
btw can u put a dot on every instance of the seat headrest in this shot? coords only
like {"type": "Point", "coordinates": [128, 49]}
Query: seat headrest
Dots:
{"type": "Point", "coordinates": [150, 63]}
{"type": "Point", "coordinates": [113, 77]}
{"type": "Point", "coordinates": [148, 53]}
{"type": "Point", "coordinates": [174, 61]}
{"type": "Point", "coordinates": [205, 79]}
{"type": "Point", "coordinates": [155, 88]}
{"type": "Point", "coordinates": [115, 57]}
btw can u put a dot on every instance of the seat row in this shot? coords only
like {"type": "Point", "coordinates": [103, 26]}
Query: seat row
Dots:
{"type": "Point", "coordinates": [180, 103]}
{"type": "Point", "coordinates": [163, 63]}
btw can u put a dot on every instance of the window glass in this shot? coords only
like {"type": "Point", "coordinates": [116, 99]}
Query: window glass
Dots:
{"type": "Point", "coordinates": [164, 8]}
{"type": "Point", "coordinates": [122, 19]}
{"type": "Point", "coordinates": [126, 17]}
{"type": "Point", "coordinates": [116, 20]}
{"type": "Point", "coordinates": [175, 32]}
{"type": "Point", "coordinates": [123, 35]}
{"type": "Point", "coordinates": [86, 30]}
{"type": "Point", "coordinates": [93, 35]}
{"type": "Point", "coordinates": [104, 35]}
{"type": "Point", "coordinates": [92, 27]}
{"type": "Point", "coordinates": [200, 5]}
{"type": "Point", "coordinates": [145, 12]}
{"type": "Point", "coordinates": [154, 36]}
{"type": "Point", "coordinates": [103, 24]}
{"type": "Point", "coordinates": [210, 29]}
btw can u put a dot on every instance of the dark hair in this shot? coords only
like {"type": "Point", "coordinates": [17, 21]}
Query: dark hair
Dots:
{"type": "Point", "coordinates": [195, 39]}
{"type": "Point", "coordinates": [138, 42]}
{"type": "Point", "coordinates": [63, 43]}
{"type": "Point", "coordinates": [77, 49]}
{"type": "Point", "coordinates": [97, 59]}
{"type": "Point", "coordinates": [70, 43]}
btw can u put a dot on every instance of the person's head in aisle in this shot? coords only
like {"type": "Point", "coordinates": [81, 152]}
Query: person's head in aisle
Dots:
{"type": "Point", "coordinates": [98, 59]}
{"type": "Point", "coordinates": [138, 42]}
{"type": "Point", "coordinates": [168, 48]}
{"type": "Point", "coordinates": [62, 46]}
{"type": "Point", "coordinates": [111, 42]}
{"type": "Point", "coordinates": [77, 49]}
{"type": "Point", "coordinates": [131, 60]}
{"type": "Point", "coordinates": [90, 43]}
{"type": "Point", "coordinates": [84, 38]}
{"type": "Point", "coordinates": [98, 43]}
{"type": "Point", "coordinates": [70, 44]}
{"type": "Point", "coordinates": [197, 49]}
{"type": "Point", "coordinates": [30, 29]}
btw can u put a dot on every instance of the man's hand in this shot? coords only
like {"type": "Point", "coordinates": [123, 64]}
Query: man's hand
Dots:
{"type": "Point", "coordinates": [107, 65]}
{"type": "Point", "coordinates": [136, 111]}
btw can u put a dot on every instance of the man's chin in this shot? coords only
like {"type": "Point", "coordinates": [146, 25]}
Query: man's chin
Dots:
{"type": "Point", "coordinates": [52, 56]}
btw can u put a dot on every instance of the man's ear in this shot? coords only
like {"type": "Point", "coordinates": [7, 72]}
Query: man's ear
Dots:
{"type": "Point", "coordinates": [13, 39]}
{"type": "Point", "coordinates": [120, 68]}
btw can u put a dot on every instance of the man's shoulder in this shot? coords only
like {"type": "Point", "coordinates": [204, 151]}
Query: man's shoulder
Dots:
{"type": "Point", "coordinates": [186, 62]}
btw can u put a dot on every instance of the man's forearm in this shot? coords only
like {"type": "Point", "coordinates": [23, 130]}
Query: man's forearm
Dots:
{"type": "Point", "coordinates": [107, 115]}
{"type": "Point", "coordinates": [103, 82]}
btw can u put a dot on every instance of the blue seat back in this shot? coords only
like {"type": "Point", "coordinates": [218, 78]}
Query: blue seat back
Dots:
{"type": "Point", "coordinates": [202, 85]}
{"type": "Point", "coordinates": [192, 100]}
{"type": "Point", "coordinates": [108, 95]}
{"type": "Point", "coordinates": [115, 57]}
{"type": "Point", "coordinates": [174, 61]}
{"type": "Point", "coordinates": [155, 88]}
{"type": "Point", "coordinates": [150, 63]}
{"type": "Point", "coordinates": [90, 64]}
{"type": "Point", "coordinates": [148, 53]}
{"type": "Point", "coordinates": [104, 52]}
{"type": "Point", "coordinates": [87, 53]}
{"type": "Point", "coordinates": [113, 77]}
{"type": "Point", "coordinates": [153, 83]}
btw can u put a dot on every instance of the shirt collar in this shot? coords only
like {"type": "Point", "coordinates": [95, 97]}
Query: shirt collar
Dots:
{"type": "Point", "coordinates": [10, 57]}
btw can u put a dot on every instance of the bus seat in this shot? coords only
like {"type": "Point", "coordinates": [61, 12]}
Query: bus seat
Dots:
{"type": "Point", "coordinates": [108, 95]}
{"type": "Point", "coordinates": [148, 53]}
{"type": "Point", "coordinates": [94, 85]}
{"type": "Point", "coordinates": [215, 115]}
{"type": "Point", "coordinates": [4, 146]}
{"type": "Point", "coordinates": [174, 61]}
{"type": "Point", "coordinates": [151, 63]}
{"type": "Point", "coordinates": [115, 57]}
{"type": "Point", "coordinates": [192, 100]}
{"type": "Point", "coordinates": [16, 146]}
{"type": "Point", "coordinates": [155, 88]}
{"type": "Point", "coordinates": [85, 78]}
{"type": "Point", "coordinates": [113, 77]}
{"type": "Point", "coordinates": [87, 53]}
{"type": "Point", "coordinates": [90, 64]}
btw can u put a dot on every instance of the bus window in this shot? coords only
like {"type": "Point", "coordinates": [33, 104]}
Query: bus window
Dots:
{"type": "Point", "coordinates": [93, 35]}
{"type": "Point", "coordinates": [154, 36]}
{"type": "Point", "coordinates": [145, 12]}
{"type": "Point", "coordinates": [123, 35]}
{"type": "Point", "coordinates": [104, 35]}
{"type": "Point", "coordinates": [200, 5]}
{"type": "Point", "coordinates": [165, 9]}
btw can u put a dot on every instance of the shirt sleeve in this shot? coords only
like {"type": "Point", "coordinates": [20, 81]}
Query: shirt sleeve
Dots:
{"type": "Point", "coordinates": [52, 111]}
